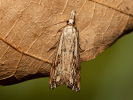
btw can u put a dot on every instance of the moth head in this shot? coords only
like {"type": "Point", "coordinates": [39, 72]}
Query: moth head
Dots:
{"type": "Point", "coordinates": [72, 18]}
{"type": "Point", "coordinates": [71, 22]}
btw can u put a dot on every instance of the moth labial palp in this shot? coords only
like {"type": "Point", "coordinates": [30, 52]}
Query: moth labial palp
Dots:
{"type": "Point", "coordinates": [66, 67]}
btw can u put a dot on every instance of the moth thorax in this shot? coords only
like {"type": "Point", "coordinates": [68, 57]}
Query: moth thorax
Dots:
{"type": "Point", "coordinates": [71, 21]}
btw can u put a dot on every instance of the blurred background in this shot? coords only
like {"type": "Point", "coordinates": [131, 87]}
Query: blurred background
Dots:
{"type": "Point", "coordinates": [108, 77]}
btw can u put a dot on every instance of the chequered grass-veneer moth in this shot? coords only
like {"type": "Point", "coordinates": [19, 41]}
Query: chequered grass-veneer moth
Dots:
{"type": "Point", "coordinates": [66, 67]}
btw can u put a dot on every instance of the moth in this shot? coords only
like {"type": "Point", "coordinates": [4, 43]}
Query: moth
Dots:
{"type": "Point", "coordinates": [66, 67]}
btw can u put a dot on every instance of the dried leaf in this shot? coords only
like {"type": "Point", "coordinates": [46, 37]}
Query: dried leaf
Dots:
{"type": "Point", "coordinates": [25, 37]}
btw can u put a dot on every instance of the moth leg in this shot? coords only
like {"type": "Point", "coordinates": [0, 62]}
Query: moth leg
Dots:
{"type": "Point", "coordinates": [80, 49]}
{"type": "Point", "coordinates": [53, 47]}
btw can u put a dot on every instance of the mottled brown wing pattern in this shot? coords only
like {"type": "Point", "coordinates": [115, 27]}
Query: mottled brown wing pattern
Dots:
{"type": "Point", "coordinates": [66, 68]}
{"type": "Point", "coordinates": [55, 67]}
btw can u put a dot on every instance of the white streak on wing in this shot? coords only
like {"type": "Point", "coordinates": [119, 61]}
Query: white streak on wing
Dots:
{"type": "Point", "coordinates": [63, 54]}
{"type": "Point", "coordinates": [76, 48]}
{"type": "Point", "coordinates": [59, 50]}
{"type": "Point", "coordinates": [60, 44]}
{"type": "Point", "coordinates": [71, 53]}
{"type": "Point", "coordinates": [63, 57]}
{"type": "Point", "coordinates": [76, 45]}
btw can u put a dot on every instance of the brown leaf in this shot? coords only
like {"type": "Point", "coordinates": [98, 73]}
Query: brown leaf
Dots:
{"type": "Point", "coordinates": [25, 37]}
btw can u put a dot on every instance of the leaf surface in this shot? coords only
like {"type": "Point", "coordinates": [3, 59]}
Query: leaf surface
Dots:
{"type": "Point", "coordinates": [28, 29]}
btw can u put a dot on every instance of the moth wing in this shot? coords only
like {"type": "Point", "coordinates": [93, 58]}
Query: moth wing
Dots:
{"type": "Point", "coordinates": [77, 65]}
{"type": "Point", "coordinates": [74, 80]}
{"type": "Point", "coordinates": [54, 73]}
